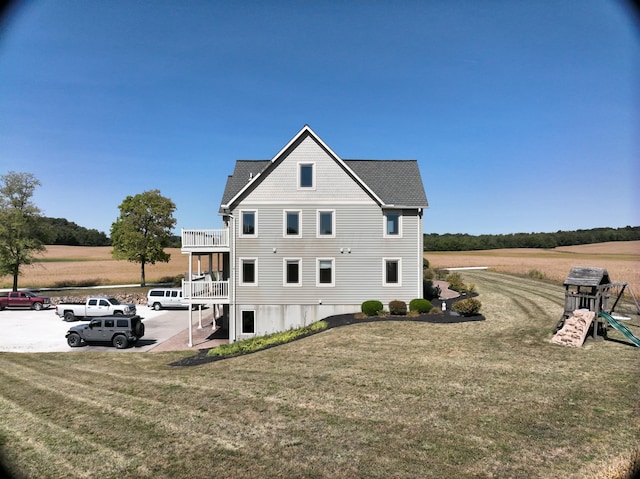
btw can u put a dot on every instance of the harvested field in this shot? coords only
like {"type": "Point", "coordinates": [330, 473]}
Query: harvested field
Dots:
{"type": "Point", "coordinates": [84, 265]}
{"type": "Point", "coordinates": [621, 259]}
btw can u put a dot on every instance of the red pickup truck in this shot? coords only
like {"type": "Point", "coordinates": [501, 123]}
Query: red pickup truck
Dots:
{"type": "Point", "coordinates": [24, 299]}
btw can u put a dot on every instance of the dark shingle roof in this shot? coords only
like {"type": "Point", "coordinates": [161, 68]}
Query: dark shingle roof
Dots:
{"type": "Point", "coordinates": [243, 172]}
{"type": "Point", "coordinates": [396, 182]}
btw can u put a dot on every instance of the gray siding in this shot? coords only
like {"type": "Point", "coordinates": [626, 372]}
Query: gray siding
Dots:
{"type": "Point", "coordinates": [358, 274]}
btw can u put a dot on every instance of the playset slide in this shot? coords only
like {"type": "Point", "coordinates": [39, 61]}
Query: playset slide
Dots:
{"type": "Point", "coordinates": [621, 327]}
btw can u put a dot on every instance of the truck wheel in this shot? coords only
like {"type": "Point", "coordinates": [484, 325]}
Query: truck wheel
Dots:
{"type": "Point", "coordinates": [69, 316]}
{"type": "Point", "coordinates": [117, 313]}
{"type": "Point", "coordinates": [120, 341]}
{"type": "Point", "coordinates": [157, 306]}
{"type": "Point", "coordinates": [73, 340]}
{"type": "Point", "coordinates": [37, 306]}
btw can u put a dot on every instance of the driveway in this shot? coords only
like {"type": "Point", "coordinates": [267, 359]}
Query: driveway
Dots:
{"type": "Point", "coordinates": [43, 331]}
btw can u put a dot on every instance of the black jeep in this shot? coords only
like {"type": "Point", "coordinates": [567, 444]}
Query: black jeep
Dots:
{"type": "Point", "coordinates": [118, 330]}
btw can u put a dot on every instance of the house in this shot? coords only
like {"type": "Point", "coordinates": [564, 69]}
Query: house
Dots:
{"type": "Point", "coordinates": [308, 235]}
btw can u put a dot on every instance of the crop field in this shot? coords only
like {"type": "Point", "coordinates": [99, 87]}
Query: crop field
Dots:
{"type": "Point", "coordinates": [620, 259]}
{"type": "Point", "coordinates": [402, 399]}
{"type": "Point", "coordinates": [91, 266]}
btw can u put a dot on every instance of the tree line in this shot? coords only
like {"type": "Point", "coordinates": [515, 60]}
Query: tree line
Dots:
{"type": "Point", "coordinates": [466, 242]}
{"type": "Point", "coordinates": [140, 233]}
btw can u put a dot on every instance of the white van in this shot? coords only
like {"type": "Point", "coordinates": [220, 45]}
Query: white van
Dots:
{"type": "Point", "coordinates": [159, 298]}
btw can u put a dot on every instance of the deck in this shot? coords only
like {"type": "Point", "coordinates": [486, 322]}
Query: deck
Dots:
{"type": "Point", "coordinates": [205, 241]}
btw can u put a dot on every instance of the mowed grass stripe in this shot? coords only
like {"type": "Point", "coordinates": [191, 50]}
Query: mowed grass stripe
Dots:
{"type": "Point", "coordinates": [63, 447]}
{"type": "Point", "coordinates": [125, 408]}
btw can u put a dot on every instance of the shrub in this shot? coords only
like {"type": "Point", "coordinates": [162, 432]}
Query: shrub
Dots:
{"type": "Point", "coordinates": [371, 307]}
{"type": "Point", "coordinates": [261, 342]}
{"type": "Point", "coordinates": [425, 263]}
{"type": "Point", "coordinates": [429, 291]}
{"type": "Point", "coordinates": [467, 307]}
{"type": "Point", "coordinates": [428, 274]}
{"type": "Point", "coordinates": [535, 274]}
{"type": "Point", "coordinates": [419, 305]}
{"type": "Point", "coordinates": [456, 283]}
{"type": "Point", "coordinates": [397, 307]}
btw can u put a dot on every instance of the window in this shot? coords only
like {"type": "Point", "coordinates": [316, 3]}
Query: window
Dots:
{"type": "Point", "coordinates": [104, 302]}
{"type": "Point", "coordinates": [108, 323]}
{"type": "Point", "coordinates": [93, 302]}
{"type": "Point", "coordinates": [249, 223]}
{"type": "Point", "coordinates": [392, 272]}
{"type": "Point", "coordinates": [306, 176]}
{"type": "Point", "coordinates": [122, 323]}
{"type": "Point", "coordinates": [248, 322]}
{"type": "Point", "coordinates": [292, 223]}
{"type": "Point", "coordinates": [248, 271]}
{"type": "Point", "coordinates": [393, 224]}
{"type": "Point", "coordinates": [325, 272]}
{"type": "Point", "coordinates": [292, 270]}
{"type": "Point", "coordinates": [326, 223]}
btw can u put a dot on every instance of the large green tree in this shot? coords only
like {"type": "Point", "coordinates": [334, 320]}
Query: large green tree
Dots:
{"type": "Point", "coordinates": [21, 235]}
{"type": "Point", "coordinates": [143, 229]}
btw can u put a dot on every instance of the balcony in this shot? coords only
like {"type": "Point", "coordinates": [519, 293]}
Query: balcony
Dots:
{"type": "Point", "coordinates": [205, 241]}
{"type": "Point", "coordinates": [205, 291]}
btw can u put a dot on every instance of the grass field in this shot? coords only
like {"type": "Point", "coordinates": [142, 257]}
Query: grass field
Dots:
{"type": "Point", "coordinates": [490, 399]}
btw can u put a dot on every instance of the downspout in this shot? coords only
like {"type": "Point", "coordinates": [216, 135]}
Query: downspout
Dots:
{"type": "Point", "coordinates": [190, 279]}
{"type": "Point", "coordinates": [232, 281]}
{"type": "Point", "coordinates": [420, 254]}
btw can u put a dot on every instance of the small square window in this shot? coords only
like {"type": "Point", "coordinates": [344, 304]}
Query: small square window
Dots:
{"type": "Point", "coordinates": [393, 224]}
{"type": "Point", "coordinates": [392, 272]}
{"type": "Point", "coordinates": [249, 271]}
{"type": "Point", "coordinates": [249, 223]}
{"type": "Point", "coordinates": [248, 322]}
{"type": "Point", "coordinates": [306, 175]}
{"type": "Point", "coordinates": [292, 272]}
{"type": "Point", "coordinates": [292, 223]}
{"type": "Point", "coordinates": [326, 274]}
{"type": "Point", "coordinates": [326, 223]}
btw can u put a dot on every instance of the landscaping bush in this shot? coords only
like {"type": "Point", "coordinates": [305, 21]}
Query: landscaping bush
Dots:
{"type": "Point", "coordinates": [429, 291]}
{"type": "Point", "coordinates": [371, 307]}
{"type": "Point", "coordinates": [455, 282]}
{"type": "Point", "coordinates": [419, 305]}
{"type": "Point", "coordinates": [467, 307]}
{"type": "Point", "coordinates": [397, 307]}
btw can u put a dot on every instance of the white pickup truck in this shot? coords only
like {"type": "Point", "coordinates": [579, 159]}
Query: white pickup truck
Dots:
{"type": "Point", "coordinates": [96, 306]}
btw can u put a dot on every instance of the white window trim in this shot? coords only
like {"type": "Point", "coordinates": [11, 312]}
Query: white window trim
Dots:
{"type": "Point", "coordinates": [284, 273]}
{"type": "Point", "coordinates": [313, 177]}
{"type": "Point", "coordinates": [384, 273]}
{"type": "Point", "coordinates": [333, 223]}
{"type": "Point", "coordinates": [333, 273]}
{"type": "Point", "coordinates": [241, 229]}
{"type": "Point", "coordinates": [241, 281]}
{"type": "Point", "coordinates": [284, 224]}
{"type": "Point", "coordinates": [384, 224]}
{"type": "Point", "coordinates": [242, 331]}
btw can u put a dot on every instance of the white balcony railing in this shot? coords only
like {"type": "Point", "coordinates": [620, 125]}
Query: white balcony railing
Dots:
{"type": "Point", "coordinates": [202, 289]}
{"type": "Point", "coordinates": [205, 238]}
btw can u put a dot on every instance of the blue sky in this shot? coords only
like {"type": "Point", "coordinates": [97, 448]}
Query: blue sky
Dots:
{"type": "Point", "coordinates": [524, 116]}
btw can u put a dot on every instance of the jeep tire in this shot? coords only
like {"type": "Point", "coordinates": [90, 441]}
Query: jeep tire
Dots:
{"type": "Point", "coordinates": [120, 341]}
{"type": "Point", "coordinates": [74, 340]}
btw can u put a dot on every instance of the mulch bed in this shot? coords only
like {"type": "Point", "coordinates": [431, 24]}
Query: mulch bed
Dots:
{"type": "Point", "coordinates": [447, 317]}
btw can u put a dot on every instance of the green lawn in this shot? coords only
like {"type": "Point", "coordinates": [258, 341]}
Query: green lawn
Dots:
{"type": "Point", "coordinates": [383, 399]}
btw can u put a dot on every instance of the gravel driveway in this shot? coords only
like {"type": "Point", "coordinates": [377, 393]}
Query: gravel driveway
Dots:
{"type": "Point", "coordinates": [43, 331]}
